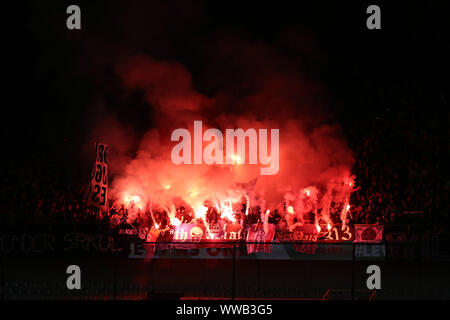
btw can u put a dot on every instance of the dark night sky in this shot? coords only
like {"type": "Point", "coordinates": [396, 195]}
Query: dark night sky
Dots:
{"type": "Point", "coordinates": [57, 74]}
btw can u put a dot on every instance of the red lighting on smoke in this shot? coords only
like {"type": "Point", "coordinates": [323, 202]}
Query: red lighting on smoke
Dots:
{"type": "Point", "coordinates": [132, 201]}
{"type": "Point", "coordinates": [236, 159]}
{"type": "Point", "coordinates": [314, 176]}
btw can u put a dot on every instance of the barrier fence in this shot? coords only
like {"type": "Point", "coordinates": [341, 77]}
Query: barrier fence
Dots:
{"type": "Point", "coordinates": [230, 270]}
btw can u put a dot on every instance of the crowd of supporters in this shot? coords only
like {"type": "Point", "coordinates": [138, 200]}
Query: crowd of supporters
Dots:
{"type": "Point", "coordinates": [402, 172]}
{"type": "Point", "coordinates": [37, 190]}
{"type": "Point", "coordinates": [401, 177]}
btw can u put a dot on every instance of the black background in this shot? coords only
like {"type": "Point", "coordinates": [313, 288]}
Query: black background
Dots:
{"type": "Point", "coordinates": [48, 69]}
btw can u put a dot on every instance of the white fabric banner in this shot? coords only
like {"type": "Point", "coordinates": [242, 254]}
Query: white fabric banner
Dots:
{"type": "Point", "coordinates": [98, 196]}
{"type": "Point", "coordinates": [368, 233]}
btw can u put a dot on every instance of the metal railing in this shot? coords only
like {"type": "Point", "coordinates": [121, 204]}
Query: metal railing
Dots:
{"type": "Point", "coordinates": [21, 276]}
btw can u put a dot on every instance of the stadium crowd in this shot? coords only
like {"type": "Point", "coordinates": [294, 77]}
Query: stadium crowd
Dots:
{"type": "Point", "coordinates": [401, 174]}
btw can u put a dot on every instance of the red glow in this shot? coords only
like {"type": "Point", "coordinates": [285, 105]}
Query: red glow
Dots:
{"type": "Point", "coordinates": [175, 221]}
{"type": "Point", "coordinates": [132, 200]}
{"type": "Point", "coordinates": [315, 165]}
{"type": "Point", "coordinates": [236, 159]}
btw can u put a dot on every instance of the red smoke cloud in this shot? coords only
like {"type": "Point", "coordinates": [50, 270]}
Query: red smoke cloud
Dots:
{"type": "Point", "coordinates": [267, 93]}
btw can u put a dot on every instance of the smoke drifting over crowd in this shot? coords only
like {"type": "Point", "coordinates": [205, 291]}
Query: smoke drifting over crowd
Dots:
{"type": "Point", "coordinates": [248, 84]}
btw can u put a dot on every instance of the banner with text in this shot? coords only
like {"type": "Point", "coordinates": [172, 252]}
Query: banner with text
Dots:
{"type": "Point", "coordinates": [98, 196]}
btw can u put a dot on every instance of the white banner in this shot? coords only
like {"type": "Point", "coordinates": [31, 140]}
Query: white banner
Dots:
{"type": "Point", "coordinates": [368, 233]}
{"type": "Point", "coordinates": [98, 196]}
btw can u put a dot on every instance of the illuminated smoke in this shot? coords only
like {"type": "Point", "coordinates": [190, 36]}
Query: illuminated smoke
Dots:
{"type": "Point", "coordinates": [315, 162]}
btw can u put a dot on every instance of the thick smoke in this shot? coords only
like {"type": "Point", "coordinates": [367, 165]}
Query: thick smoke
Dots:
{"type": "Point", "coordinates": [226, 79]}
{"type": "Point", "coordinates": [261, 89]}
